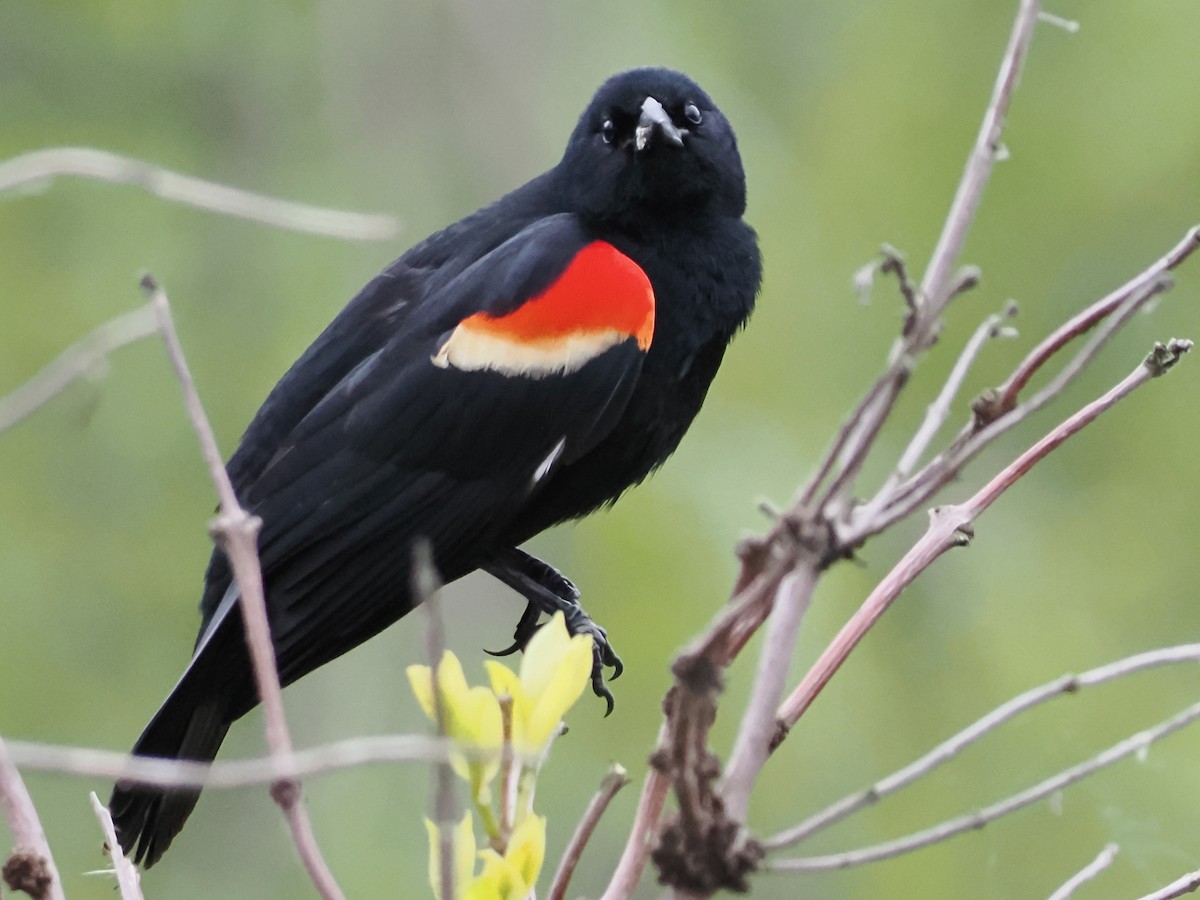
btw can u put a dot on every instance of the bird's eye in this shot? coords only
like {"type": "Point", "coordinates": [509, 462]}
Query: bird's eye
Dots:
{"type": "Point", "coordinates": [608, 131]}
{"type": "Point", "coordinates": [691, 112]}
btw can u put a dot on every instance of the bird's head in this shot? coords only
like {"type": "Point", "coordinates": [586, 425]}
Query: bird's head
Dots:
{"type": "Point", "coordinates": [652, 146]}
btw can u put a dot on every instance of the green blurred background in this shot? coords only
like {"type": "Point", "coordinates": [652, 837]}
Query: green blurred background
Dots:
{"type": "Point", "coordinates": [854, 120]}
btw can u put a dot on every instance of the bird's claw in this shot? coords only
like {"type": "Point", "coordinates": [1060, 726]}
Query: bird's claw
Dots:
{"type": "Point", "coordinates": [578, 622]}
{"type": "Point", "coordinates": [603, 656]}
{"type": "Point", "coordinates": [526, 628]}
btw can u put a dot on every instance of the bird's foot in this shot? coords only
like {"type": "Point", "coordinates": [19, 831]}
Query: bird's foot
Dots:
{"type": "Point", "coordinates": [548, 590]}
{"type": "Point", "coordinates": [578, 622]}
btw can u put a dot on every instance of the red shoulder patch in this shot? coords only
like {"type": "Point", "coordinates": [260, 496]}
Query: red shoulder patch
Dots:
{"type": "Point", "coordinates": [601, 299]}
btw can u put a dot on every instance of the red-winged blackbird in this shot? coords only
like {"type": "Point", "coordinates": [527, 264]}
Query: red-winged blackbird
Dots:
{"type": "Point", "coordinates": [520, 368]}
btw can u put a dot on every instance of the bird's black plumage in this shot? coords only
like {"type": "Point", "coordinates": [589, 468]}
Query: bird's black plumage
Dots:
{"type": "Point", "coordinates": [519, 368]}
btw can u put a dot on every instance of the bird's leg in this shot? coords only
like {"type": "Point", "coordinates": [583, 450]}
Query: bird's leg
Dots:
{"type": "Point", "coordinates": [548, 590]}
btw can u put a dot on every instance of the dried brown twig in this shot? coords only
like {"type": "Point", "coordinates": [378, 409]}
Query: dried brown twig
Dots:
{"type": "Point", "coordinates": [954, 526]}
{"type": "Point", "coordinates": [613, 782]}
{"type": "Point", "coordinates": [30, 867]}
{"type": "Point", "coordinates": [236, 532]}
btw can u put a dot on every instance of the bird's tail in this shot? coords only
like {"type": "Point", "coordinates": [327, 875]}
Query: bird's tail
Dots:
{"type": "Point", "coordinates": [148, 818]}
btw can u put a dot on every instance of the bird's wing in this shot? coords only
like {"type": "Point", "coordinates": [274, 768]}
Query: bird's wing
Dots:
{"type": "Point", "coordinates": [520, 363]}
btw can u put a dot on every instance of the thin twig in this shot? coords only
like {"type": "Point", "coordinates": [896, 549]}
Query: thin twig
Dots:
{"type": "Point", "coordinates": [616, 779]}
{"type": "Point", "coordinates": [128, 880]}
{"type": "Point", "coordinates": [952, 526]}
{"type": "Point", "coordinates": [510, 772]}
{"type": "Point", "coordinates": [1102, 861]}
{"type": "Point", "coordinates": [936, 287]}
{"type": "Point", "coordinates": [973, 821]}
{"type": "Point", "coordinates": [426, 582]}
{"type": "Point", "coordinates": [1066, 685]}
{"type": "Point", "coordinates": [41, 166]}
{"type": "Point", "coordinates": [182, 773]}
{"type": "Point", "coordinates": [1187, 884]}
{"type": "Point", "coordinates": [85, 358]}
{"type": "Point", "coordinates": [236, 532]}
{"type": "Point", "coordinates": [934, 294]}
{"type": "Point", "coordinates": [932, 477]}
{"type": "Point", "coordinates": [1085, 320]}
{"type": "Point", "coordinates": [643, 831]}
{"type": "Point", "coordinates": [758, 727]}
{"type": "Point", "coordinates": [939, 410]}
{"type": "Point", "coordinates": [30, 867]}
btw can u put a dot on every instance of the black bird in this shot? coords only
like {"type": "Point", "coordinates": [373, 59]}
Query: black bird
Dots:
{"type": "Point", "coordinates": [520, 368]}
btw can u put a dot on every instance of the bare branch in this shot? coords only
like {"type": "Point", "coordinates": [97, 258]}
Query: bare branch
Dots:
{"type": "Point", "coordinates": [1084, 321]}
{"type": "Point", "coordinates": [616, 779]}
{"type": "Point", "coordinates": [755, 735]}
{"type": "Point", "coordinates": [973, 821]}
{"type": "Point", "coordinates": [236, 533]}
{"type": "Point", "coordinates": [128, 880]}
{"type": "Point", "coordinates": [921, 487]}
{"type": "Point", "coordinates": [1070, 26]}
{"type": "Point", "coordinates": [645, 826]}
{"type": "Point", "coordinates": [952, 526]}
{"type": "Point", "coordinates": [936, 287]}
{"type": "Point", "coordinates": [426, 582]}
{"type": "Point", "coordinates": [30, 867]}
{"type": "Point", "coordinates": [939, 410]}
{"type": "Point", "coordinates": [1102, 861]}
{"type": "Point", "coordinates": [41, 166]}
{"type": "Point", "coordinates": [86, 358]}
{"type": "Point", "coordinates": [182, 773]}
{"type": "Point", "coordinates": [934, 293]}
{"type": "Point", "coordinates": [1067, 685]}
{"type": "Point", "coordinates": [1186, 884]}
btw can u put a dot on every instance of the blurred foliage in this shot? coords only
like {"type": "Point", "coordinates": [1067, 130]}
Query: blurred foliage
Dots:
{"type": "Point", "coordinates": [854, 119]}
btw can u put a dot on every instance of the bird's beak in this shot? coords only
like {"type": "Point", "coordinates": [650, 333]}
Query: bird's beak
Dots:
{"type": "Point", "coordinates": [654, 119]}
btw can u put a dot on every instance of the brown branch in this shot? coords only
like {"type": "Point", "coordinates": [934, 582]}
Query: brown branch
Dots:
{"type": "Point", "coordinates": [922, 487]}
{"type": "Point", "coordinates": [1088, 318]}
{"type": "Point", "coordinates": [236, 532]}
{"type": "Point", "coordinates": [83, 359]}
{"type": "Point", "coordinates": [616, 779]}
{"type": "Point", "coordinates": [30, 867]}
{"type": "Point", "coordinates": [41, 166]}
{"type": "Point", "coordinates": [128, 880]}
{"type": "Point", "coordinates": [952, 526]}
{"type": "Point", "coordinates": [629, 868]}
{"type": "Point", "coordinates": [973, 821]}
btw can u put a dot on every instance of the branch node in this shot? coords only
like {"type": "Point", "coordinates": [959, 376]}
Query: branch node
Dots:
{"type": "Point", "coordinates": [285, 792]}
{"type": "Point", "coordinates": [965, 279]}
{"type": "Point", "coordinates": [893, 264]}
{"type": "Point", "coordinates": [1163, 357]}
{"type": "Point", "coordinates": [780, 735]}
{"type": "Point", "coordinates": [990, 405]}
{"type": "Point", "coordinates": [28, 872]}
